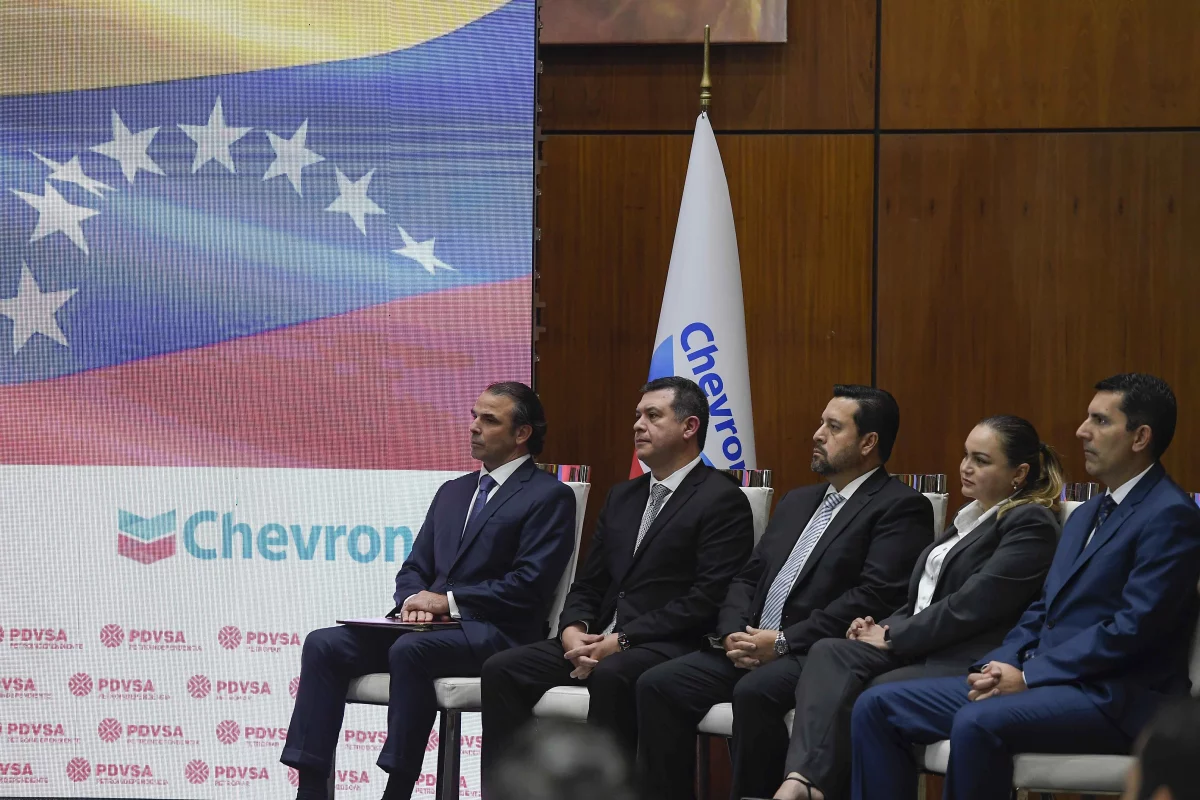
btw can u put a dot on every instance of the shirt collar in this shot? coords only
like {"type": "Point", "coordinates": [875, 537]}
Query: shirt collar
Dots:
{"type": "Point", "coordinates": [971, 515]}
{"type": "Point", "coordinates": [504, 471]}
{"type": "Point", "coordinates": [673, 480]}
{"type": "Point", "coordinates": [1125, 488]}
{"type": "Point", "coordinates": [850, 488]}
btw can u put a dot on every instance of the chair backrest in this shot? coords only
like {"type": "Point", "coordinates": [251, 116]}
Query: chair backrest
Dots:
{"type": "Point", "coordinates": [939, 501]}
{"type": "Point", "coordinates": [760, 507]}
{"type": "Point", "coordinates": [581, 491]}
{"type": "Point", "coordinates": [1066, 508]}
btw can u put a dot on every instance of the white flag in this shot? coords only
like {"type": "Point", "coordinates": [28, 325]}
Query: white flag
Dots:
{"type": "Point", "coordinates": [702, 325]}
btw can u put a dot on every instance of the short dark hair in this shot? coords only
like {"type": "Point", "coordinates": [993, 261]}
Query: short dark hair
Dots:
{"type": "Point", "coordinates": [878, 413]}
{"type": "Point", "coordinates": [689, 402]}
{"type": "Point", "coordinates": [1169, 749]}
{"type": "Point", "coordinates": [1145, 400]}
{"type": "Point", "coordinates": [527, 410]}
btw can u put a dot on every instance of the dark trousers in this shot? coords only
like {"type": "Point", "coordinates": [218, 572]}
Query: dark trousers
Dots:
{"type": "Point", "coordinates": [888, 720]}
{"type": "Point", "coordinates": [836, 673]}
{"type": "Point", "coordinates": [514, 680]}
{"type": "Point", "coordinates": [674, 697]}
{"type": "Point", "coordinates": [333, 656]}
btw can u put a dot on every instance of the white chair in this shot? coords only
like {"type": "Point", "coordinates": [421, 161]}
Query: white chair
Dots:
{"type": "Point", "coordinates": [457, 696]}
{"type": "Point", "coordinates": [719, 719]}
{"type": "Point", "coordinates": [1049, 772]}
{"type": "Point", "coordinates": [572, 702]}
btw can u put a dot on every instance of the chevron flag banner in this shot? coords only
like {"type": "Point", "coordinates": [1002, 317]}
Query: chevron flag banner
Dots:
{"type": "Point", "coordinates": [702, 326]}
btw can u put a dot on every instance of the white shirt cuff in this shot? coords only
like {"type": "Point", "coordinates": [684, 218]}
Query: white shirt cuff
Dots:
{"type": "Point", "coordinates": [453, 606]}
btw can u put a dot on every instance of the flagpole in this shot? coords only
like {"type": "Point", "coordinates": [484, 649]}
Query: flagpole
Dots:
{"type": "Point", "coordinates": [705, 83]}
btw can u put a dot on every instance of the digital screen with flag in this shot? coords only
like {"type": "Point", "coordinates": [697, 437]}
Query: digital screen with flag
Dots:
{"type": "Point", "coordinates": [258, 258]}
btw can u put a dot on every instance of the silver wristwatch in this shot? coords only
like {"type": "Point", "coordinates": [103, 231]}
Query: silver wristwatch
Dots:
{"type": "Point", "coordinates": [781, 645]}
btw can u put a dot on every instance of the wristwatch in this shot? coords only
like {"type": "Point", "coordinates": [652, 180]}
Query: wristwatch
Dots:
{"type": "Point", "coordinates": [623, 641]}
{"type": "Point", "coordinates": [781, 645]}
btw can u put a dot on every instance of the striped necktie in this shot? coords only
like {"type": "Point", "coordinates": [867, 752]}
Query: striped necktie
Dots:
{"type": "Point", "coordinates": [772, 614]}
{"type": "Point", "coordinates": [658, 496]}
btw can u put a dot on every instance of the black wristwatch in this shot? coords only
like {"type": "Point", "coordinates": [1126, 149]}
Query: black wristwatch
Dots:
{"type": "Point", "coordinates": [623, 641]}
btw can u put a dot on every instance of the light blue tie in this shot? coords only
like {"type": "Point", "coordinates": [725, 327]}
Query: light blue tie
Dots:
{"type": "Point", "coordinates": [772, 615]}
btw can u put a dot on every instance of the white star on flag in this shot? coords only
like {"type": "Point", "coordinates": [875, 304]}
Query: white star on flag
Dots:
{"type": "Point", "coordinates": [32, 311]}
{"type": "Point", "coordinates": [72, 172]}
{"type": "Point", "coordinates": [352, 199]}
{"type": "Point", "coordinates": [56, 214]}
{"type": "Point", "coordinates": [422, 253]}
{"type": "Point", "coordinates": [291, 156]}
{"type": "Point", "coordinates": [213, 139]}
{"type": "Point", "coordinates": [129, 149]}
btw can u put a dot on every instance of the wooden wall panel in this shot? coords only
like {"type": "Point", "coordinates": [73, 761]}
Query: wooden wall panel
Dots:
{"type": "Point", "coordinates": [1040, 63]}
{"type": "Point", "coordinates": [1017, 270]}
{"type": "Point", "coordinates": [824, 77]}
{"type": "Point", "coordinates": [609, 206]}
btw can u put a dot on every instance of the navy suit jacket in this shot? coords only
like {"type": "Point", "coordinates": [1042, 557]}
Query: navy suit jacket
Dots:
{"type": "Point", "coordinates": [1117, 617]}
{"type": "Point", "coordinates": [505, 567]}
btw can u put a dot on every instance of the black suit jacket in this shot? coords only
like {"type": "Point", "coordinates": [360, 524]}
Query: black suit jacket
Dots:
{"type": "Point", "coordinates": [859, 567]}
{"type": "Point", "coordinates": [987, 580]}
{"type": "Point", "coordinates": [671, 589]}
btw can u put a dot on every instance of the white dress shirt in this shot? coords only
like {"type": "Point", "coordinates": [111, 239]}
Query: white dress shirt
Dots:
{"type": "Point", "coordinates": [672, 482]}
{"type": "Point", "coordinates": [499, 475]}
{"type": "Point", "coordinates": [1120, 494]}
{"type": "Point", "coordinates": [847, 492]}
{"type": "Point", "coordinates": [969, 517]}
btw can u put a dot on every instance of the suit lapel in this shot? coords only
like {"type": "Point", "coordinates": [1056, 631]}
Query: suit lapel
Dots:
{"type": "Point", "coordinates": [676, 501]}
{"type": "Point", "coordinates": [514, 484]}
{"type": "Point", "coordinates": [849, 511]}
{"type": "Point", "coordinates": [802, 516]}
{"type": "Point", "coordinates": [1111, 525]}
{"type": "Point", "coordinates": [961, 545]}
{"type": "Point", "coordinates": [447, 545]}
{"type": "Point", "coordinates": [625, 527]}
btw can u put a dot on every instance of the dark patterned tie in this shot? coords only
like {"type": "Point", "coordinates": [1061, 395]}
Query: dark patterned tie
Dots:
{"type": "Point", "coordinates": [1107, 506]}
{"type": "Point", "coordinates": [486, 484]}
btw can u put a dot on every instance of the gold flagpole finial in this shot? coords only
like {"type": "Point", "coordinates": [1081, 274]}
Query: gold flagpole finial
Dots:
{"type": "Point", "coordinates": [705, 83]}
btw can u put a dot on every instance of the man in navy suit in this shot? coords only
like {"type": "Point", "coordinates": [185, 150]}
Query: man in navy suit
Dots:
{"type": "Point", "coordinates": [1091, 660]}
{"type": "Point", "coordinates": [490, 554]}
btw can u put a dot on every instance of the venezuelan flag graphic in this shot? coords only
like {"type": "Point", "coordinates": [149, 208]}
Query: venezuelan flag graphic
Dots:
{"type": "Point", "coordinates": [261, 232]}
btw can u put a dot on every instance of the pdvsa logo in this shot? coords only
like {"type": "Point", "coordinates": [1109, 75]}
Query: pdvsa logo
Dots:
{"type": "Point", "coordinates": [22, 638]}
{"type": "Point", "coordinates": [208, 536]}
{"type": "Point", "coordinates": [196, 772]}
{"type": "Point", "coordinates": [113, 636]}
{"type": "Point", "coordinates": [20, 772]}
{"type": "Point", "coordinates": [229, 689]}
{"type": "Point", "coordinates": [351, 780]}
{"type": "Point", "coordinates": [80, 684]}
{"type": "Point", "coordinates": [231, 637]}
{"type": "Point", "coordinates": [229, 732]}
{"type": "Point", "coordinates": [79, 770]}
{"type": "Point", "coordinates": [127, 774]}
{"type": "Point", "coordinates": [224, 775]}
{"type": "Point", "coordinates": [116, 687]}
{"type": "Point", "coordinates": [294, 687]}
{"type": "Point", "coordinates": [37, 733]}
{"type": "Point", "coordinates": [156, 733]}
{"type": "Point", "coordinates": [367, 740]}
{"type": "Point", "coordinates": [145, 539]}
{"type": "Point", "coordinates": [20, 687]}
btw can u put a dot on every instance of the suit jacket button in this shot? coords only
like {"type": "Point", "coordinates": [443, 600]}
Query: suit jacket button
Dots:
{"type": "Point", "coordinates": [621, 595]}
{"type": "Point", "coordinates": [1049, 623]}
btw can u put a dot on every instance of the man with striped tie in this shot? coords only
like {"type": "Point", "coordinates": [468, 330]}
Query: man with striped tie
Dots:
{"type": "Point", "coordinates": [832, 553]}
{"type": "Point", "coordinates": [665, 547]}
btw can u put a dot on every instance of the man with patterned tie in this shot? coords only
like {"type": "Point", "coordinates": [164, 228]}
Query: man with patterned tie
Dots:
{"type": "Point", "coordinates": [832, 553]}
{"type": "Point", "coordinates": [1092, 659]}
{"type": "Point", "coordinates": [490, 554]}
{"type": "Point", "coordinates": [664, 550]}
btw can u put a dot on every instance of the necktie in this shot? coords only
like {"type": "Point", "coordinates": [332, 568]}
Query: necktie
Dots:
{"type": "Point", "coordinates": [1107, 506]}
{"type": "Point", "coordinates": [658, 495]}
{"type": "Point", "coordinates": [781, 587]}
{"type": "Point", "coordinates": [486, 484]}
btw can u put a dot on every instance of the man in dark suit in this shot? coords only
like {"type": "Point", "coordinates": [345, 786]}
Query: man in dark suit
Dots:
{"type": "Point", "coordinates": [665, 548]}
{"type": "Point", "coordinates": [832, 553]}
{"type": "Point", "coordinates": [1090, 661]}
{"type": "Point", "coordinates": [490, 554]}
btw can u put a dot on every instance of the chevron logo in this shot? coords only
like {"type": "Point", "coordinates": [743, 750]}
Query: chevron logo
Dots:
{"type": "Point", "coordinates": [145, 539]}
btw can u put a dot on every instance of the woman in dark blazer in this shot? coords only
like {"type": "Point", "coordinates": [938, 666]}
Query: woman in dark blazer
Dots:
{"type": "Point", "coordinates": [968, 589]}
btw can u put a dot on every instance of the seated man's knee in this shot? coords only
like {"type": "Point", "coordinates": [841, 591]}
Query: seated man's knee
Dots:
{"type": "Point", "coordinates": [322, 645]}
{"type": "Point", "coordinates": [974, 720]}
{"type": "Point", "coordinates": [656, 683]}
{"type": "Point", "coordinates": [871, 706]}
{"type": "Point", "coordinates": [607, 679]}
{"type": "Point", "coordinates": [499, 669]}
